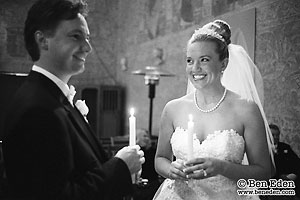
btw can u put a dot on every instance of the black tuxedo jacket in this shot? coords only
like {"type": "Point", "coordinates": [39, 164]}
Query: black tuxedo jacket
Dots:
{"type": "Point", "coordinates": [50, 152]}
{"type": "Point", "coordinates": [286, 160]}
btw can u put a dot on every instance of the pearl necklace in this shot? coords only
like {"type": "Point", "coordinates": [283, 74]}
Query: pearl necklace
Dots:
{"type": "Point", "coordinates": [215, 107]}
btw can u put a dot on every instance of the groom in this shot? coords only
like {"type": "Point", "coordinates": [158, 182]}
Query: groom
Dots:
{"type": "Point", "coordinates": [49, 149]}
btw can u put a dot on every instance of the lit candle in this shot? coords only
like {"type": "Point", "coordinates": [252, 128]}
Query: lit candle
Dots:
{"type": "Point", "coordinates": [132, 137]}
{"type": "Point", "coordinates": [190, 132]}
{"type": "Point", "coordinates": [132, 128]}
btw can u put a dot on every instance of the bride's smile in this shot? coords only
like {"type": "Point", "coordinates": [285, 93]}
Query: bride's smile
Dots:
{"type": "Point", "coordinates": [197, 77]}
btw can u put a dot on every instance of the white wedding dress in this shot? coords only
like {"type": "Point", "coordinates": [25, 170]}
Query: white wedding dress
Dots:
{"type": "Point", "coordinates": [225, 145]}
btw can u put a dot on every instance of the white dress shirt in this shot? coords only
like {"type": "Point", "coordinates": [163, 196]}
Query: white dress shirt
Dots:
{"type": "Point", "coordinates": [63, 86]}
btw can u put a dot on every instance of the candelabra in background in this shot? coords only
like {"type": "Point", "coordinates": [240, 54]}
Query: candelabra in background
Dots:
{"type": "Point", "coordinates": [152, 75]}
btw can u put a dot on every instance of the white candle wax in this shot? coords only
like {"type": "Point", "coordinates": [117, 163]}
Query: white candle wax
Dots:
{"type": "Point", "coordinates": [132, 128]}
{"type": "Point", "coordinates": [190, 132]}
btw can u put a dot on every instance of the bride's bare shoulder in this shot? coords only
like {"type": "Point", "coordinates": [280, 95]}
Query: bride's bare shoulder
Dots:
{"type": "Point", "coordinates": [180, 102]}
{"type": "Point", "coordinates": [242, 106]}
{"type": "Point", "coordinates": [184, 99]}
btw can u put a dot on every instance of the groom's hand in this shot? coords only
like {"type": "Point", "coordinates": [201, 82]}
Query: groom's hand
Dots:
{"type": "Point", "coordinates": [133, 156]}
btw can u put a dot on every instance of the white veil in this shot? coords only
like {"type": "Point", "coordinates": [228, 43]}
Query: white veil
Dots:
{"type": "Point", "coordinates": [243, 77]}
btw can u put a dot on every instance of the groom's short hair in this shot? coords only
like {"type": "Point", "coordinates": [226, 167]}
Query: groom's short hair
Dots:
{"type": "Point", "coordinates": [45, 16]}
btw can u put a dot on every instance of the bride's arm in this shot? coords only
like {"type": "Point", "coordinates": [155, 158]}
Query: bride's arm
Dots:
{"type": "Point", "coordinates": [164, 155]}
{"type": "Point", "coordinates": [256, 149]}
{"type": "Point", "coordinates": [259, 167]}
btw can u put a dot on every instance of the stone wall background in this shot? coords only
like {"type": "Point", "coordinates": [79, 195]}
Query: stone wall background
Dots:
{"type": "Point", "coordinates": [132, 29]}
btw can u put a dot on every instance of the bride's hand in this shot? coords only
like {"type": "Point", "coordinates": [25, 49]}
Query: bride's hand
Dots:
{"type": "Point", "coordinates": [200, 168]}
{"type": "Point", "coordinates": [176, 170]}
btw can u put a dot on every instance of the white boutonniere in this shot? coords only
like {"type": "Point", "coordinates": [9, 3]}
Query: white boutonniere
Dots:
{"type": "Point", "coordinates": [82, 107]}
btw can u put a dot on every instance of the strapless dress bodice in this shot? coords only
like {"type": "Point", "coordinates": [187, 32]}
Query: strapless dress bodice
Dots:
{"type": "Point", "coordinates": [222, 144]}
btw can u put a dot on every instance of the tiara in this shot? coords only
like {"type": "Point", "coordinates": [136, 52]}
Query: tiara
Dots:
{"type": "Point", "coordinates": [222, 21]}
{"type": "Point", "coordinates": [208, 32]}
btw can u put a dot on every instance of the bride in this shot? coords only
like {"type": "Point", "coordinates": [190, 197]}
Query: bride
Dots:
{"type": "Point", "coordinates": [226, 125]}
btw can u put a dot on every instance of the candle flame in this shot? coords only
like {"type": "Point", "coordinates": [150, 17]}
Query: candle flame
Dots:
{"type": "Point", "coordinates": [131, 111]}
{"type": "Point", "coordinates": [190, 117]}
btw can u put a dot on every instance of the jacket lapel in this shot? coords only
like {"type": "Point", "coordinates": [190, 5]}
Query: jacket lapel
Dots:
{"type": "Point", "coordinates": [79, 122]}
{"type": "Point", "coordinates": [85, 129]}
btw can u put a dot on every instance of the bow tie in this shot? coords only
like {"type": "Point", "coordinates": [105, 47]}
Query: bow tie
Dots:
{"type": "Point", "coordinates": [71, 94]}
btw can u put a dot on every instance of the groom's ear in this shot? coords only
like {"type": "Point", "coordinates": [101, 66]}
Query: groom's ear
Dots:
{"type": "Point", "coordinates": [41, 40]}
{"type": "Point", "coordinates": [224, 64]}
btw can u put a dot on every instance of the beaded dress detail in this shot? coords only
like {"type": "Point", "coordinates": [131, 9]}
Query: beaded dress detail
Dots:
{"type": "Point", "coordinates": [224, 145]}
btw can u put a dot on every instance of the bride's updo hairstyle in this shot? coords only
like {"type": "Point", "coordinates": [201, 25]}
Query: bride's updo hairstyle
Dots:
{"type": "Point", "coordinates": [224, 30]}
{"type": "Point", "coordinates": [218, 32]}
